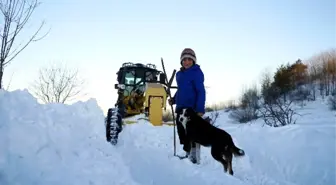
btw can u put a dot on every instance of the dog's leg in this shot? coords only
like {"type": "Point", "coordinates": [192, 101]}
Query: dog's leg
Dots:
{"type": "Point", "coordinates": [187, 145]}
{"type": "Point", "coordinates": [229, 163]}
{"type": "Point", "coordinates": [192, 156]}
{"type": "Point", "coordinates": [195, 151]}
{"type": "Point", "coordinates": [218, 155]}
{"type": "Point", "coordinates": [198, 153]}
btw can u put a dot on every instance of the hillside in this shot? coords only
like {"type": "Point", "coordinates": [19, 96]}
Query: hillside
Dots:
{"type": "Point", "coordinates": [65, 144]}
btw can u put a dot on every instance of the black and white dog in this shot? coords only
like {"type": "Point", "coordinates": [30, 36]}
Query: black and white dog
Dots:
{"type": "Point", "coordinates": [200, 131]}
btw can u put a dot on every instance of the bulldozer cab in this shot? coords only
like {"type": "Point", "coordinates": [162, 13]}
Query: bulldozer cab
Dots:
{"type": "Point", "coordinates": [132, 84]}
{"type": "Point", "coordinates": [133, 77]}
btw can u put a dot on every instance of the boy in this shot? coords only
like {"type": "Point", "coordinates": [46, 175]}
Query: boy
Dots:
{"type": "Point", "coordinates": [190, 94]}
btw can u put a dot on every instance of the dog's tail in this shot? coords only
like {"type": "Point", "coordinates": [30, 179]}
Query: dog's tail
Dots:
{"type": "Point", "coordinates": [237, 152]}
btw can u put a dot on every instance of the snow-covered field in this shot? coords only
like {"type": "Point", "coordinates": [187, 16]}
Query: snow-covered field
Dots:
{"type": "Point", "coordinates": [58, 144]}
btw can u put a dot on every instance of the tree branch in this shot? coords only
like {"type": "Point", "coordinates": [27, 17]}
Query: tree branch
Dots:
{"type": "Point", "coordinates": [15, 16]}
{"type": "Point", "coordinates": [57, 84]}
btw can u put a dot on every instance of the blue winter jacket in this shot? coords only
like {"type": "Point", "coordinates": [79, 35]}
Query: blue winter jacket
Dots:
{"type": "Point", "coordinates": [190, 89]}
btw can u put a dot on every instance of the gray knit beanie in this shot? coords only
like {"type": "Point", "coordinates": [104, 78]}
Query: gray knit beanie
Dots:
{"type": "Point", "coordinates": [188, 53]}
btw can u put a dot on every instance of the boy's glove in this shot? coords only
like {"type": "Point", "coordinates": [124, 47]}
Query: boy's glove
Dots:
{"type": "Point", "coordinates": [200, 114]}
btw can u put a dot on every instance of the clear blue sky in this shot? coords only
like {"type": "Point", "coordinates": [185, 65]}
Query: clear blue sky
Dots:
{"type": "Point", "coordinates": [234, 40]}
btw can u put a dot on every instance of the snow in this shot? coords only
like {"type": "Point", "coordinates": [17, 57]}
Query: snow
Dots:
{"type": "Point", "coordinates": [65, 144]}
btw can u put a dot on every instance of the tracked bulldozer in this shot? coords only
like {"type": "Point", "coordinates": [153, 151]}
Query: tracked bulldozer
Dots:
{"type": "Point", "coordinates": [142, 89]}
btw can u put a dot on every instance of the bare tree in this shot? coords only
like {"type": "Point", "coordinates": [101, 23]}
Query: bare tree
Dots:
{"type": "Point", "coordinates": [322, 70]}
{"type": "Point", "coordinates": [15, 15]}
{"type": "Point", "coordinates": [214, 114]}
{"type": "Point", "coordinates": [332, 102]}
{"type": "Point", "coordinates": [248, 106]}
{"type": "Point", "coordinates": [57, 84]}
{"type": "Point", "coordinates": [274, 109]}
{"type": "Point", "coordinates": [230, 105]}
{"type": "Point", "coordinates": [278, 113]}
{"type": "Point", "coordinates": [313, 75]}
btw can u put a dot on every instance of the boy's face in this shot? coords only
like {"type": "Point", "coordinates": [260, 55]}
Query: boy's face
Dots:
{"type": "Point", "coordinates": [187, 62]}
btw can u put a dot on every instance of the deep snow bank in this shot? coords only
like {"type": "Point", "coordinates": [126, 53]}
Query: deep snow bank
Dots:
{"type": "Point", "coordinates": [55, 144]}
{"type": "Point", "coordinates": [301, 154]}
{"type": "Point", "coordinates": [65, 144]}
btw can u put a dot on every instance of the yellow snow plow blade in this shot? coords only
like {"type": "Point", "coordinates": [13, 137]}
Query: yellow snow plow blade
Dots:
{"type": "Point", "coordinates": [129, 122]}
{"type": "Point", "coordinates": [155, 100]}
{"type": "Point", "coordinates": [168, 123]}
